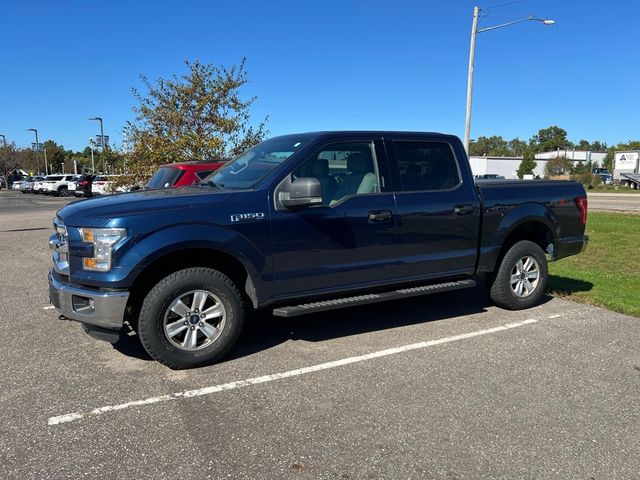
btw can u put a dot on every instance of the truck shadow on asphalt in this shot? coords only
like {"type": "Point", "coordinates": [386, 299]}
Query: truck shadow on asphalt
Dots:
{"type": "Point", "coordinates": [264, 331]}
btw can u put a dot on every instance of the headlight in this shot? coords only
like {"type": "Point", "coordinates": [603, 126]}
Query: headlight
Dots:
{"type": "Point", "coordinates": [103, 241]}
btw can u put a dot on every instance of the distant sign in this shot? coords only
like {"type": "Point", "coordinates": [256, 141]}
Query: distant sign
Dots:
{"type": "Point", "coordinates": [99, 139]}
{"type": "Point", "coordinates": [40, 147]}
{"type": "Point", "coordinates": [626, 160]}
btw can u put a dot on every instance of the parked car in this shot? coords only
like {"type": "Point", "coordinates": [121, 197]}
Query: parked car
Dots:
{"type": "Point", "coordinates": [83, 185]}
{"type": "Point", "coordinates": [38, 185]}
{"type": "Point", "coordinates": [604, 174]}
{"type": "Point", "coordinates": [26, 185]}
{"type": "Point", "coordinates": [3, 182]}
{"type": "Point", "coordinates": [16, 184]}
{"type": "Point", "coordinates": [275, 229]}
{"type": "Point", "coordinates": [57, 185]}
{"type": "Point", "coordinates": [105, 185]}
{"type": "Point", "coordinates": [489, 176]}
{"type": "Point", "coordinates": [182, 174]}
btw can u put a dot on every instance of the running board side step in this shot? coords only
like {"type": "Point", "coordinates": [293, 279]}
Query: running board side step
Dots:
{"type": "Point", "coordinates": [325, 305]}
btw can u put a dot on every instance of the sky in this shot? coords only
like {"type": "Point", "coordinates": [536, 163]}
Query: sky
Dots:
{"type": "Point", "coordinates": [328, 65]}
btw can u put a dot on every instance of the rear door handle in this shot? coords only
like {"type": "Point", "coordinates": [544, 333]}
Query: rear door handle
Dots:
{"type": "Point", "coordinates": [463, 209]}
{"type": "Point", "coordinates": [379, 215]}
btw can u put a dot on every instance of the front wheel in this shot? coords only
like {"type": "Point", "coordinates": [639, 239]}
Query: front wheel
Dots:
{"type": "Point", "coordinates": [521, 278]}
{"type": "Point", "coordinates": [191, 318]}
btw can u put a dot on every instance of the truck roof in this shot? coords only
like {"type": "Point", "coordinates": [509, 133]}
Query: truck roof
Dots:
{"type": "Point", "coordinates": [351, 133]}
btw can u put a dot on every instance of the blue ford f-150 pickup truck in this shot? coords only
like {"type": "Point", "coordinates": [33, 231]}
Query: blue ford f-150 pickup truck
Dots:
{"type": "Point", "coordinates": [301, 224]}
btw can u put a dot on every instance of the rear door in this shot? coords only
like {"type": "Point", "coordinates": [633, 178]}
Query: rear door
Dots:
{"type": "Point", "coordinates": [438, 211]}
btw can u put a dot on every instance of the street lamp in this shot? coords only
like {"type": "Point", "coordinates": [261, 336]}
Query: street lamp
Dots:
{"type": "Point", "coordinates": [101, 138]}
{"type": "Point", "coordinates": [37, 147]}
{"type": "Point", "coordinates": [472, 54]}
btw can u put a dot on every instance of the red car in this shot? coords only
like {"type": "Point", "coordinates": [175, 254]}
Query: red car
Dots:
{"type": "Point", "coordinates": [182, 174]}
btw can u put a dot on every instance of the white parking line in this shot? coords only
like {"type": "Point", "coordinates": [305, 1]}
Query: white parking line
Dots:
{"type": "Point", "coordinates": [50, 307]}
{"type": "Point", "coordinates": [70, 417]}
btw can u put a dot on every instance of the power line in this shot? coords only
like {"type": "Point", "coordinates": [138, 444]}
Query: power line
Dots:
{"type": "Point", "coordinates": [485, 12]}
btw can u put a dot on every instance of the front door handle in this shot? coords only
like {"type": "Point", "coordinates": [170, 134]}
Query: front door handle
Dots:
{"type": "Point", "coordinates": [463, 209]}
{"type": "Point", "coordinates": [379, 215]}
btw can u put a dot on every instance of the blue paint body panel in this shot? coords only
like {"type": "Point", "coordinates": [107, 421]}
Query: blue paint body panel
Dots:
{"type": "Point", "coordinates": [300, 253]}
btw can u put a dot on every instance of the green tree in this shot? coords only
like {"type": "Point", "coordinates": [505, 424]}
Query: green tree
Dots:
{"type": "Point", "coordinates": [528, 164]}
{"type": "Point", "coordinates": [494, 146]}
{"type": "Point", "coordinates": [550, 138]}
{"type": "Point", "coordinates": [56, 156]}
{"type": "Point", "coordinates": [196, 116]}
{"type": "Point", "coordinates": [557, 166]}
{"type": "Point", "coordinates": [517, 147]}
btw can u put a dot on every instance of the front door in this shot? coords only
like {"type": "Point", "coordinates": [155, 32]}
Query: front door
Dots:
{"type": "Point", "coordinates": [347, 241]}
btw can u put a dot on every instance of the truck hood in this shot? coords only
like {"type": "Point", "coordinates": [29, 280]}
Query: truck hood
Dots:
{"type": "Point", "coordinates": [124, 208]}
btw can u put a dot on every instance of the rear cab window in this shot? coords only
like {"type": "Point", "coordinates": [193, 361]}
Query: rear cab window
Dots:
{"type": "Point", "coordinates": [165, 177]}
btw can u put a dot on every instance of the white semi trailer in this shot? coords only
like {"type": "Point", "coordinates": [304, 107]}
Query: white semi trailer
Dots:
{"type": "Point", "coordinates": [626, 168]}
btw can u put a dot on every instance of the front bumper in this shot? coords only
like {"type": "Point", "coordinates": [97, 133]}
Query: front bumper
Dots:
{"type": "Point", "coordinates": [87, 305]}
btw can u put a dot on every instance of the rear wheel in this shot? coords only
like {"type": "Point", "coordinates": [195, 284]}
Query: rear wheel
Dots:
{"type": "Point", "coordinates": [521, 278]}
{"type": "Point", "coordinates": [191, 318]}
{"type": "Point", "coordinates": [63, 191]}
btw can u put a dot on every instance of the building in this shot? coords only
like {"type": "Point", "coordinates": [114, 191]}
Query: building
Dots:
{"type": "Point", "coordinates": [575, 156]}
{"type": "Point", "coordinates": [508, 166]}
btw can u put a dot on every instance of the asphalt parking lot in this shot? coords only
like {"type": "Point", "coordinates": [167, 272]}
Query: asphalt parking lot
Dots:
{"type": "Point", "coordinates": [622, 202]}
{"type": "Point", "coordinates": [446, 386]}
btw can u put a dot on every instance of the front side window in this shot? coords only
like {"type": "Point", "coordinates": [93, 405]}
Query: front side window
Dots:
{"type": "Point", "coordinates": [426, 166]}
{"type": "Point", "coordinates": [343, 169]}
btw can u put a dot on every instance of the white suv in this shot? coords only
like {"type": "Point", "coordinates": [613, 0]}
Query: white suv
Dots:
{"type": "Point", "coordinates": [57, 184]}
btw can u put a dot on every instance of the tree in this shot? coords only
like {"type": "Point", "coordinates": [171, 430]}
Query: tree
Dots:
{"type": "Point", "coordinates": [550, 138]}
{"type": "Point", "coordinates": [557, 166]}
{"type": "Point", "coordinates": [517, 147]}
{"type": "Point", "coordinates": [56, 156]}
{"type": "Point", "coordinates": [528, 164]}
{"type": "Point", "coordinates": [8, 160]}
{"type": "Point", "coordinates": [494, 146]}
{"type": "Point", "coordinates": [196, 116]}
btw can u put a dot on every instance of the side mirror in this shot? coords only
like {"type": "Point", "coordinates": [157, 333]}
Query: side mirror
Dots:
{"type": "Point", "coordinates": [305, 192]}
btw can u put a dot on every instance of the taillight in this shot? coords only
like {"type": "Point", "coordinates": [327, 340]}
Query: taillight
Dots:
{"type": "Point", "coordinates": [581, 203]}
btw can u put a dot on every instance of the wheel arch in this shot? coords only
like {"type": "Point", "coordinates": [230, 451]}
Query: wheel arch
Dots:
{"type": "Point", "coordinates": [533, 222]}
{"type": "Point", "coordinates": [183, 257]}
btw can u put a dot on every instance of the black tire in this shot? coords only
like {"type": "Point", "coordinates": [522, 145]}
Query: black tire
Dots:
{"type": "Point", "coordinates": [63, 192]}
{"type": "Point", "coordinates": [501, 290]}
{"type": "Point", "coordinates": [156, 304]}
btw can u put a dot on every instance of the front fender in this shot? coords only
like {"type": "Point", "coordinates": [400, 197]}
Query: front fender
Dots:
{"type": "Point", "coordinates": [138, 253]}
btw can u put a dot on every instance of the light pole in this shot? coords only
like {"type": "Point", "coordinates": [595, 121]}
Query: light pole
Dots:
{"type": "Point", "coordinates": [101, 138]}
{"type": "Point", "coordinates": [472, 54]}
{"type": "Point", "coordinates": [4, 146]}
{"type": "Point", "coordinates": [37, 148]}
{"type": "Point", "coordinates": [93, 163]}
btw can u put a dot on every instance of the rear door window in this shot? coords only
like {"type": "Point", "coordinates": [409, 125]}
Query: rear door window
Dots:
{"type": "Point", "coordinates": [426, 166]}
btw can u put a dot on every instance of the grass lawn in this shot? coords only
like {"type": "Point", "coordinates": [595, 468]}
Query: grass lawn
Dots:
{"type": "Point", "coordinates": [608, 272]}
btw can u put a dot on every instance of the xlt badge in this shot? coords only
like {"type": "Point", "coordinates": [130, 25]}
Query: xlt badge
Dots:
{"type": "Point", "coordinates": [241, 217]}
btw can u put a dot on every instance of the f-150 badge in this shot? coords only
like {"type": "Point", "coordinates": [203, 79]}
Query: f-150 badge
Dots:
{"type": "Point", "coordinates": [243, 217]}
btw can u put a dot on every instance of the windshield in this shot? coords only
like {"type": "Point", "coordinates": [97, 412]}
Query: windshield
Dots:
{"type": "Point", "coordinates": [248, 169]}
{"type": "Point", "coordinates": [165, 177]}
